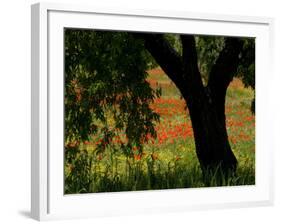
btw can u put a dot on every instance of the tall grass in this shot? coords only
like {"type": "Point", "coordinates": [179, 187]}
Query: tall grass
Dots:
{"type": "Point", "coordinates": [89, 173]}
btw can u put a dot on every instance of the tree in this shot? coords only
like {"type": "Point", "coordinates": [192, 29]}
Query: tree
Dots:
{"type": "Point", "coordinates": [206, 104]}
{"type": "Point", "coordinates": [109, 71]}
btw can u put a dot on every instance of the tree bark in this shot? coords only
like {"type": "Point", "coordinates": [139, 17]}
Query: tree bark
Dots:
{"type": "Point", "coordinates": [206, 104]}
{"type": "Point", "coordinates": [207, 114]}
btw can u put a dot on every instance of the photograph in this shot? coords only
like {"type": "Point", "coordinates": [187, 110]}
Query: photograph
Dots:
{"type": "Point", "coordinates": [154, 111]}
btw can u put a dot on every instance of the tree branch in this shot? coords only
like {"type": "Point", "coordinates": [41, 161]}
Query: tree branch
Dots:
{"type": "Point", "coordinates": [164, 54]}
{"type": "Point", "coordinates": [222, 73]}
{"type": "Point", "coordinates": [226, 65]}
{"type": "Point", "coordinates": [190, 63]}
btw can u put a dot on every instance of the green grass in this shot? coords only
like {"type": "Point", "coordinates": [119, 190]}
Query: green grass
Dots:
{"type": "Point", "coordinates": [170, 161]}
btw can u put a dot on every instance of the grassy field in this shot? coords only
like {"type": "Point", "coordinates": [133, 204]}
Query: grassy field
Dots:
{"type": "Point", "coordinates": [170, 160]}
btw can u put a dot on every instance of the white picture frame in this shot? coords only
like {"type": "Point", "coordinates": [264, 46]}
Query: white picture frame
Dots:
{"type": "Point", "coordinates": [47, 198]}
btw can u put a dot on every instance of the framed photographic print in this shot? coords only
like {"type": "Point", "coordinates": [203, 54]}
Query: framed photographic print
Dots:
{"type": "Point", "coordinates": [138, 111]}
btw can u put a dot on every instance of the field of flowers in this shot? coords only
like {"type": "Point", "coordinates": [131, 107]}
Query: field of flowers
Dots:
{"type": "Point", "coordinates": [170, 160]}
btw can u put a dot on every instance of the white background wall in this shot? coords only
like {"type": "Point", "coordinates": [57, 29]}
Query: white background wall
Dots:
{"type": "Point", "coordinates": [15, 111]}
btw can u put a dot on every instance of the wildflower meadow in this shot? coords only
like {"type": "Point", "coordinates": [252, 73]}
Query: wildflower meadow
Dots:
{"type": "Point", "coordinates": [169, 160]}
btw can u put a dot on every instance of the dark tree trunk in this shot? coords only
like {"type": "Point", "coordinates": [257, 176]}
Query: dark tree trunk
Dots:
{"type": "Point", "coordinates": [207, 112]}
{"type": "Point", "coordinates": [206, 104]}
{"type": "Point", "coordinates": [211, 140]}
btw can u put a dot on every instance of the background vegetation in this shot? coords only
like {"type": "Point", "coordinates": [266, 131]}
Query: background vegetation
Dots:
{"type": "Point", "coordinates": [112, 86]}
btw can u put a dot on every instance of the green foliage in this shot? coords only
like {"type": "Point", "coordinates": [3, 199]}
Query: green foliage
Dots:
{"type": "Point", "coordinates": [80, 178]}
{"type": "Point", "coordinates": [106, 91]}
{"type": "Point", "coordinates": [246, 69]}
{"type": "Point", "coordinates": [208, 50]}
{"type": "Point", "coordinates": [174, 40]}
